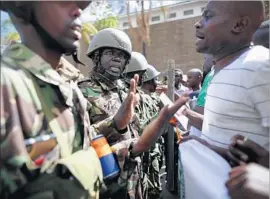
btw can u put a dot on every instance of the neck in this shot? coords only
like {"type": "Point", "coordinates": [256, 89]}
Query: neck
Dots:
{"type": "Point", "coordinates": [102, 75]}
{"type": "Point", "coordinates": [197, 87]}
{"type": "Point", "coordinates": [145, 89]}
{"type": "Point", "coordinates": [224, 58]}
{"type": "Point", "coordinates": [49, 55]}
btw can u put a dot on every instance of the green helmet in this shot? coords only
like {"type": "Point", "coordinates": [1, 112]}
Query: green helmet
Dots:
{"type": "Point", "coordinates": [110, 38]}
{"type": "Point", "coordinates": [23, 9]}
{"type": "Point", "coordinates": [137, 63]}
{"type": "Point", "coordinates": [151, 73]}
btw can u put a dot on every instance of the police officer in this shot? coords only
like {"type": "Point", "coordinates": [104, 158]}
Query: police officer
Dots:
{"type": "Point", "coordinates": [150, 81]}
{"type": "Point", "coordinates": [39, 97]}
{"type": "Point", "coordinates": [36, 100]}
{"type": "Point", "coordinates": [138, 65]}
{"type": "Point", "coordinates": [110, 51]}
{"type": "Point", "coordinates": [156, 153]}
{"type": "Point", "coordinates": [146, 111]}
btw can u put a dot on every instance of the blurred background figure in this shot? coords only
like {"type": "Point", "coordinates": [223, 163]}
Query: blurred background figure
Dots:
{"type": "Point", "coordinates": [261, 36]}
{"type": "Point", "coordinates": [179, 87]}
{"type": "Point", "coordinates": [150, 81]}
{"type": "Point", "coordinates": [194, 82]}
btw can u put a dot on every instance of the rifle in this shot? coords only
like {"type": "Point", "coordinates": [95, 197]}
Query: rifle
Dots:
{"type": "Point", "coordinates": [40, 145]}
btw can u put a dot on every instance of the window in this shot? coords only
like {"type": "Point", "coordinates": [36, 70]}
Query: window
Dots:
{"type": "Point", "coordinates": [156, 18]}
{"type": "Point", "coordinates": [172, 15]}
{"type": "Point", "coordinates": [202, 9]}
{"type": "Point", "coordinates": [125, 24]}
{"type": "Point", "coordinates": [188, 12]}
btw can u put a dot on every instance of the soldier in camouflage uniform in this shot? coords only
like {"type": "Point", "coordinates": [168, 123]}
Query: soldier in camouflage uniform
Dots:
{"type": "Point", "coordinates": [110, 51]}
{"type": "Point", "coordinates": [156, 153]}
{"type": "Point", "coordinates": [137, 65]}
{"type": "Point", "coordinates": [39, 96]}
{"type": "Point", "coordinates": [146, 111]}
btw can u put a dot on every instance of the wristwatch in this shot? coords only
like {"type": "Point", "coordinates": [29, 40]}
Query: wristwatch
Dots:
{"type": "Point", "coordinates": [112, 124]}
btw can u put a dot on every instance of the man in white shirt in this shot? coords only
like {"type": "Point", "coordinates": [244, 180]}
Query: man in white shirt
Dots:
{"type": "Point", "coordinates": [238, 97]}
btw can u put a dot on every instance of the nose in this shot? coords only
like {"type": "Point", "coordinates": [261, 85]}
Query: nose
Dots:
{"type": "Point", "coordinates": [116, 58]}
{"type": "Point", "coordinates": [198, 25]}
{"type": "Point", "coordinates": [77, 12]}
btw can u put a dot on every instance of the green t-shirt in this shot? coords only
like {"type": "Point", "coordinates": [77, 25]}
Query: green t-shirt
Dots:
{"type": "Point", "coordinates": [202, 95]}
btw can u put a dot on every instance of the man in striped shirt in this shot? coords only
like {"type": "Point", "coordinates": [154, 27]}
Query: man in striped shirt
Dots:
{"type": "Point", "coordinates": [238, 97]}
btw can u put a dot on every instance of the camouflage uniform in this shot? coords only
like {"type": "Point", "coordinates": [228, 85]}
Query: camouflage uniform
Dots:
{"type": "Point", "coordinates": [106, 98]}
{"type": "Point", "coordinates": [22, 114]}
{"type": "Point", "coordinates": [153, 159]}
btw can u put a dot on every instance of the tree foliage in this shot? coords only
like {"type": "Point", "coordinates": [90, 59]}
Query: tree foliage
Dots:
{"type": "Point", "coordinates": [109, 22]}
{"type": "Point", "coordinates": [10, 33]}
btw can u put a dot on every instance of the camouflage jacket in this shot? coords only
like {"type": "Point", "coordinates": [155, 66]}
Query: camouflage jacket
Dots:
{"type": "Point", "coordinates": [106, 98]}
{"type": "Point", "coordinates": [22, 114]}
{"type": "Point", "coordinates": [149, 109]}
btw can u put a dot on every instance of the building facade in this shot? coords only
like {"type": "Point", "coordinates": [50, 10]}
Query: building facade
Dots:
{"type": "Point", "coordinates": [172, 35]}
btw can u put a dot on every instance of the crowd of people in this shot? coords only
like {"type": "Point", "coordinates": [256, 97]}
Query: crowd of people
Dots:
{"type": "Point", "coordinates": [52, 117]}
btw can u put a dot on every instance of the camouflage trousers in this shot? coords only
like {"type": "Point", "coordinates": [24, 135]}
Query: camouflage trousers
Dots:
{"type": "Point", "coordinates": [152, 163]}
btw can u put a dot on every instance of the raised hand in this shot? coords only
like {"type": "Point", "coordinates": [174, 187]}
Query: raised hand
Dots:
{"type": "Point", "coordinates": [126, 111]}
{"type": "Point", "coordinates": [153, 130]}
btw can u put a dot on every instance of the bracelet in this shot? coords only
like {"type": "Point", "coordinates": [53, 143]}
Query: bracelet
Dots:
{"type": "Point", "coordinates": [112, 124]}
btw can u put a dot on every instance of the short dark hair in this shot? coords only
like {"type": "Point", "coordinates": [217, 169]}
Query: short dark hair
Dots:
{"type": "Point", "coordinates": [178, 72]}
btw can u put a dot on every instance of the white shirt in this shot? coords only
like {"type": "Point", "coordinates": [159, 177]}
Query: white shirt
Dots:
{"type": "Point", "coordinates": [238, 100]}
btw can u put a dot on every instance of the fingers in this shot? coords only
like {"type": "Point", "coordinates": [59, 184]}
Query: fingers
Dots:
{"type": "Point", "coordinates": [129, 102]}
{"type": "Point", "coordinates": [237, 137]}
{"type": "Point", "coordinates": [248, 145]}
{"type": "Point", "coordinates": [136, 78]}
{"type": "Point", "coordinates": [238, 154]}
{"type": "Point", "coordinates": [186, 138]}
{"type": "Point", "coordinates": [132, 88]}
{"type": "Point", "coordinates": [237, 178]}
{"type": "Point", "coordinates": [233, 161]}
{"type": "Point", "coordinates": [237, 171]}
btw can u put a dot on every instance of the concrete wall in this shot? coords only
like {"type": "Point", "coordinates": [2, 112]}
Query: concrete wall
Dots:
{"type": "Point", "coordinates": [173, 40]}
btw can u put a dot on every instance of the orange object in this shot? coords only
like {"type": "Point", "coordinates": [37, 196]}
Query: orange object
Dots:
{"type": "Point", "coordinates": [173, 121]}
{"type": "Point", "coordinates": [101, 146]}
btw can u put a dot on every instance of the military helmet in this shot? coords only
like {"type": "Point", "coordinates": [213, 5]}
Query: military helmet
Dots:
{"type": "Point", "coordinates": [23, 9]}
{"type": "Point", "coordinates": [137, 63]}
{"type": "Point", "coordinates": [151, 73]}
{"type": "Point", "coordinates": [110, 38]}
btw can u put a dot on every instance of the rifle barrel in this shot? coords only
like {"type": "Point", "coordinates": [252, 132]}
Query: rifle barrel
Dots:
{"type": "Point", "coordinates": [38, 139]}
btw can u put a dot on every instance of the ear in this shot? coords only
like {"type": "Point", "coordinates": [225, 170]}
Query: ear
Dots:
{"type": "Point", "coordinates": [241, 24]}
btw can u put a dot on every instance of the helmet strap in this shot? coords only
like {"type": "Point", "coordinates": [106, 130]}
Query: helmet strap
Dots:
{"type": "Point", "coordinates": [75, 58]}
